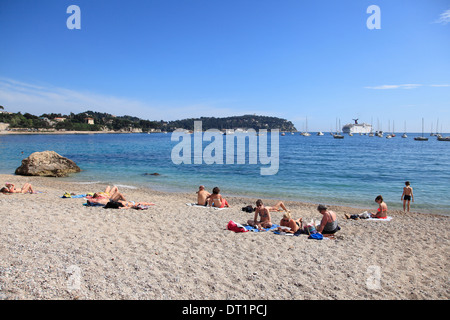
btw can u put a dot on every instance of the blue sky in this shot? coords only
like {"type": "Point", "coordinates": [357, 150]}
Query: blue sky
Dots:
{"type": "Point", "coordinates": [174, 59]}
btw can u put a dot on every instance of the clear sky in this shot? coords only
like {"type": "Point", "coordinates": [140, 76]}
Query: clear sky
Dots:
{"type": "Point", "coordinates": [175, 59]}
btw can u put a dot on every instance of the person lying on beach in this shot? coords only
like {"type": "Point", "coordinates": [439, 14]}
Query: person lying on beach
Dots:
{"type": "Point", "coordinates": [109, 194]}
{"type": "Point", "coordinates": [122, 204]}
{"type": "Point", "coordinates": [216, 199]}
{"type": "Point", "coordinates": [277, 206]}
{"type": "Point", "coordinates": [329, 223]}
{"type": "Point", "coordinates": [264, 213]}
{"type": "Point", "coordinates": [382, 209]}
{"type": "Point", "coordinates": [10, 188]}
{"type": "Point", "coordinates": [202, 196]}
{"type": "Point", "coordinates": [287, 221]}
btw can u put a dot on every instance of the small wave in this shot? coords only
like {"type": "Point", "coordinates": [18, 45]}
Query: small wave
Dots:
{"type": "Point", "coordinates": [125, 186]}
{"type": "Point", "coordinates": [89, 182]}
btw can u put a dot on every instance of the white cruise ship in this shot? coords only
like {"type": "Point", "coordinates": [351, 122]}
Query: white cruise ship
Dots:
{"type": "Point", "coordinates": [357, 127]}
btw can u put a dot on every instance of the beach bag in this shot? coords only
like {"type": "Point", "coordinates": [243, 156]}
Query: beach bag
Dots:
{"type": "Point", "coordinates": [310, 228]}
{"type": "Point", "coordinates": [236, 227]}
{"type": "Point", "coordinates": [67, 195]}
{"type": "Point", "coordinates": [248, 209]}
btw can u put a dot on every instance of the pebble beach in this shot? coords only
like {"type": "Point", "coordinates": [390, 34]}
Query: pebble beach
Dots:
{"type": "Point", "coordinates": [55, 248]}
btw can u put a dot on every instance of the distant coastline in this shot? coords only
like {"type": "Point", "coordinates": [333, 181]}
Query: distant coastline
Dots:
{"type": "Point", "coordinates": [60, 132]}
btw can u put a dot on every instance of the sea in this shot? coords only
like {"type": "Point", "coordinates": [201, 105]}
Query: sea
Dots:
{"type": "Point", "coordinates": [315, 169]}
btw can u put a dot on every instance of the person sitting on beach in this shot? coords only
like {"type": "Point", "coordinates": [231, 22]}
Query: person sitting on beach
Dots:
{"type": "Point", "coordinates": [264, 213]}
{"type": "Point", "coordinates": [287, 221]}
{"type": "Point", "coordinates": [10, 188]}
{"type": "Point", "coordinates": [202, 196]}
{"type": "Point", "coordinates": [407, 195]}
{"type": "Point", "coordinates": [382, 209]}
{"type": "Point", "coordinates": [329, 223]}
{"type": "Point", "coordinates": [216, 199]}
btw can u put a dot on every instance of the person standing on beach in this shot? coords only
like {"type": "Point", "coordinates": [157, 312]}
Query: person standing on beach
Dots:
{"type": "Point", "coordinates": [407, 195]}
{"type": "Point", "coordinates": [264, 213]}
{"type": "Point", "coordinates": [202, 196]}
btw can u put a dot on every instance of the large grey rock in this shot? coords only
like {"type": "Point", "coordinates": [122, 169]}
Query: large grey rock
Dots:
{"type": "Point", "coordinates": [47, 164]}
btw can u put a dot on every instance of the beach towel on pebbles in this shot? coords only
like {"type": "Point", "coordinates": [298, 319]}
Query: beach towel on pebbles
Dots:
{"type": "Point", "coordinates": [388, 218]}
{"type": "Point", "coordinates": [205, 207]}
{"type": "Point", "coordinates": [254, 229]}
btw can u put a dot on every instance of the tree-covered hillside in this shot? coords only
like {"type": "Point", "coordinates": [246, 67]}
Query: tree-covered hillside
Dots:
{"type": "Point", "coordinates": [97, 121]}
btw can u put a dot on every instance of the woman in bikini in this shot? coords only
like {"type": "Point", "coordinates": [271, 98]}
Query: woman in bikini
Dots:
{"type": "Point", "coordinates": [382, 209]}
{"type": "Point", "coordinates": [104, 197]}
{"type": "Point", "coordinates": [264, 213]}
{"type": "Point", "coordinates": [216, 199]}
{"type": "Point", "coordinates": [287, 221]}
{"type": "Point", "coordinates": [10, 188]}
{"type": "Point", "coordinates": [277, 206]}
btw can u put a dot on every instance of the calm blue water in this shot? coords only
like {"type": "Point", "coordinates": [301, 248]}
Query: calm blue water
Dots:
{"type": "Point", "coordinates": [351, 171]}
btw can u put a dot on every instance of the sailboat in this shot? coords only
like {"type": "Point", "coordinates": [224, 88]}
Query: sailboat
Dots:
{"type": "Point", "coordinates": [422, 138]}
{"type": "Point", "coordinates": [338, 134]}
{"type": "Point", "coordinates": [389, 136]}
{"type": "Point", "coordinates": [320, 133]}
{"type": "Point", "coordinates": [404, 132]}
{"type": "Point", "coordinates": [306, 133]}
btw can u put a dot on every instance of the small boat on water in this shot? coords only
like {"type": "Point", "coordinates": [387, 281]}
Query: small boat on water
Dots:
{"type": "Point", "coordinates": [441, 138]}
{"type": "Point", "coordinates": [338, 134]}
{"type": "Point", "coordinates": [422, 138]}
{"type": "Point", "coordinates": [404, 135]}
{"type": "Point", "coordinates": [306, 133]}
{"type": "Point", "coordinates": [320, 133]}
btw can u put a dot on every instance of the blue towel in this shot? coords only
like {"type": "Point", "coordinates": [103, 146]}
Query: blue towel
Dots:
{"type": "Point", "coordinates": [316, 236]}
{"type": "Point", "coordinates": [74, 196]}
{"type": "Point", "coordinates": [250, 228]}
{"type": "Point", "coordinates": [93, 204]}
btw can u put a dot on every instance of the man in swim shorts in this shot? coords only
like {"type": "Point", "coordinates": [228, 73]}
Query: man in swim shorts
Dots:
{"type": "Point", "coordinates": [407, 195]}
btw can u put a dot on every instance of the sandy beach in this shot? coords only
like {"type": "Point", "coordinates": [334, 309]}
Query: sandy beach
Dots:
{"type": "Point", "coordinates": [55, 248]}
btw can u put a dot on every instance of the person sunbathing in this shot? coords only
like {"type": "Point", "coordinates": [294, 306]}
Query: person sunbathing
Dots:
{"type": "Point", "coordinates": [122, 204]}
{"type": "Point", "coordinates": [287, 221]}
{"type": "Point", "coordinates": [102, 198]}
{"type": "Point", "coordinates": [277, 206]}
{"type": "Point", "coordinates": [202, 196]}
{"type": "Point", "coordinates": [329, 222]}
{"type": "Point", "coordinates": [264, 214]}
{"type": "Point", "coordinates": [10, 188]}
{"type": "Point", "coordinates": [382, 209]}
{"type": "Point", "coordinates": [216, 199]}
